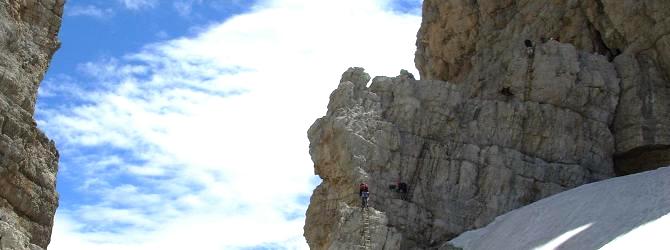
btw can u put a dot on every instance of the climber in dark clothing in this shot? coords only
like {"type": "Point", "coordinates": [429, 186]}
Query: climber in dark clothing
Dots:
{"type": "Point", "coordinates": [528, 43]}
{"type": "Point", "coordinates": [364, 194]}
{"type": "Point", "coordinates": [506, 91]}
{"type": "Point", "coordinates": [529, 47]}
{"type": "Point", "coordinates": [402, 189]}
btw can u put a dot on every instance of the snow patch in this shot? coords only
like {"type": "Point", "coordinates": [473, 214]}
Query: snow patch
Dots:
{"type": "Point", "coordinates": [629, 212]}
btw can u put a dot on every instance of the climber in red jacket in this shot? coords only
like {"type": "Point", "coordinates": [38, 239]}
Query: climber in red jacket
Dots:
{"type": "Point", "coordinates": [364, 194]}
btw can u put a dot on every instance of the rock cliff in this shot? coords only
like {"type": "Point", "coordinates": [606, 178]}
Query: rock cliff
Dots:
{"type": "Point", "coordinates": [28, 159]}
{"type": "Point", "coordinates": [466, 41]}
{"type": "Point", "coordinates": [496, 122]}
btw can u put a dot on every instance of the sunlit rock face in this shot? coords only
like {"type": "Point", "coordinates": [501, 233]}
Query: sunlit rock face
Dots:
{"type": "Point", "coordinates": [493, 124]}
{"type": "Point", "coordinates": [467, 155]}
{"type": "Point", "coordinates": [28, 159]}
{"type": "Point", "coordinates": [464, 41]}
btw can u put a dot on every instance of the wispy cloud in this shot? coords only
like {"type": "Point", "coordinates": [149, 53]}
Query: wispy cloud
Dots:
{"type": "Point", "coordinates": [200, 142]}
{"type": "Point", "coordinates": [138, 4]}
{"type": "Point", "coordinates": [90, 11]}
{"type": "Point", "coordinates": [184, 7]}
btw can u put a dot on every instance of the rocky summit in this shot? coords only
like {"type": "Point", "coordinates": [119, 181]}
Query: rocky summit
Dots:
{"type": "Point", "coordinates": [518, 100]}
{"type": "Point", "coordinates": [28, 159]}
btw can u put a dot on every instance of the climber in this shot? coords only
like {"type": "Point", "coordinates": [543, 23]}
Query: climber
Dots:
{"type": "Point", "coordinates": [506, 91]}
{"type": "Point", "coordinates": [364, 194]}
{"type": "Point", "coordinates": [528, 43]}
{"type": "Point", "coordinates": [402, 189]}
{"type": "Point", "coordinates": [529, 47]}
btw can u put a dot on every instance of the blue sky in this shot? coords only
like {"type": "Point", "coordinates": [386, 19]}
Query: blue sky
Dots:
{"type": "Point", "coordinates": [182, 124]}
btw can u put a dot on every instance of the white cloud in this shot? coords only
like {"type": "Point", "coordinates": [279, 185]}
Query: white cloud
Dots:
{"type": "Point", "coordinates": [89, 10]}
{"type": "Point", "coordinates": [204, 137]}
{"type": "Point", "coordinates": [138, 4]}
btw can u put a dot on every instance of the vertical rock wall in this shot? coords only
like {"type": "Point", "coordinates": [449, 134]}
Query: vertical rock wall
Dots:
{"type": "Point", "coordinates": [493, 125]}
{"type": "Point", "coordinates": [459, 40]}
{"type": "Point", "coordinates": [28, 159]}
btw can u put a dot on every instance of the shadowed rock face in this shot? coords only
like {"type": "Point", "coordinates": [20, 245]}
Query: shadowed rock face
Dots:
{"type": "Point", "coordinates": [28, 159]}
{"type": "Point", "coordinates": [493, 125]}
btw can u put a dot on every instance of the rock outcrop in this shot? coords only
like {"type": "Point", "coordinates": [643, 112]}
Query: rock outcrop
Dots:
{"type": "Point", "coordinates": [493, 124]}
{"type": "Point", "coordinates": [28, 159]}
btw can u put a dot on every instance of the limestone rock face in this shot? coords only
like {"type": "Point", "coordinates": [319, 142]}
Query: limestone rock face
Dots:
{"type": "Point", "coordinates": [467, 153]}
{"type": "Point", "coordinates": [518, 100]}
{"type": "Point", "coordinates": [28, 159]}
{"type": "Point", "coordinates": [460, 40]}
{"type": "Point", "coordinates": [360, 229]}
